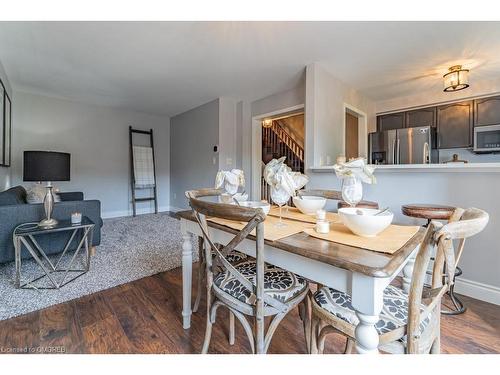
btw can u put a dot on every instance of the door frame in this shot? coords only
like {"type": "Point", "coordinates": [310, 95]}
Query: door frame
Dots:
{"type": "Point", "coordinates": [257, 145]}
{"type": "Point", "coordinates": [362, 129]}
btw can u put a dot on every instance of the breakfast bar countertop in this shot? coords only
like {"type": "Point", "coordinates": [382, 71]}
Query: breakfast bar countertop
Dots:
{"type": "Point", "coordinates": [448, 167]}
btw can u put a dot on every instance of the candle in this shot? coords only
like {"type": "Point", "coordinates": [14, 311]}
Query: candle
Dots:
{"type": "Point", "coordinates": [76, 218]}
{"type": "Point", "coordinates": [322, 226]}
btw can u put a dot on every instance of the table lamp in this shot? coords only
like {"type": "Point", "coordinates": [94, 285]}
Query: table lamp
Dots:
{"type": "Point", "coordinates": [47, 166]}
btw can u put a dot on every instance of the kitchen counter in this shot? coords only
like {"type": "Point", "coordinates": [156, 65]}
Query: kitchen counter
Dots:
{"type": "Point", "coordinates": [449, 167]}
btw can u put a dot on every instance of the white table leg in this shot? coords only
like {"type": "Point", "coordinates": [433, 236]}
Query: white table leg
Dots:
{"type": "Point", "coordinates": [367, 299]}
{"type": "Point", "coordinates": [408, 272]}
{"type": "Point", "coordinates": [187, 270]}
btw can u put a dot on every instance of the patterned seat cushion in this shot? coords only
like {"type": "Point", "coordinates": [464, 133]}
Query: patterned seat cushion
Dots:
{"type": "Point", "coordinates": [234, 256]}
{"type": "Point", "coordinates": [394, 313]}
{"type": "Point", "coordinates": [278, 283]}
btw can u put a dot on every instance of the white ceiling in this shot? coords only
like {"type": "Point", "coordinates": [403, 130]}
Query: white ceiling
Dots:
{"type": "Point", "coordinates": [169, 67]}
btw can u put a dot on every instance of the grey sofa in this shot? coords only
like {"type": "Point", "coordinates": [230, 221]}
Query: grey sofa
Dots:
{"type": "Point", "coordinates": [14, 210]}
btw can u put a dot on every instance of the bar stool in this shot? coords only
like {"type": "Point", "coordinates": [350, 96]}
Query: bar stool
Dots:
{"type": "Point", "coordinates": [437, 212]}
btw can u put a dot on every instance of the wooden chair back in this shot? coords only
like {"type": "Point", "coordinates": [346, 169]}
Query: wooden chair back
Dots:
{"type": "Point", "coordinates": [463, 224]}
{"type": "Point", "coordinates": [254, 219]}
{"type": "Point", "coordinates": [328, 194]}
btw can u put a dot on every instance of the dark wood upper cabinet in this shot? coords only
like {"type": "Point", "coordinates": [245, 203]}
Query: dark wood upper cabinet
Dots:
{"type": "Point", "coordinates": [487, 111]}
{"type": "Point", "coordinates": [454, 125]}
{"type": "Point", "coordinates": [391, 121]}
{"type": "Point", "coordinates": [421, 117]}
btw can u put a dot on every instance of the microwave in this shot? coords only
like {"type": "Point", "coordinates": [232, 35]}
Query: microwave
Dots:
{"type": "Point", "coordinates": [487, 138]}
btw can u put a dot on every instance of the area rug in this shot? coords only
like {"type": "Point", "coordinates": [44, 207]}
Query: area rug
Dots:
{"type": "Point", "coordinates": [131, 248]}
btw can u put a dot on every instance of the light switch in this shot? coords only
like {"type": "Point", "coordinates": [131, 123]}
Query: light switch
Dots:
{"type": "Point", "coordinates": [229, 161]}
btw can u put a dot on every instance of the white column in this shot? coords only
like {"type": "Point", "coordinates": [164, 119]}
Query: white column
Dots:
{"type": "Point", "coordinates": [408, 272]}
{"type": "Point", "coordinates": [368, 300]}
{"type": "Point", "coordinates": [187, 270]}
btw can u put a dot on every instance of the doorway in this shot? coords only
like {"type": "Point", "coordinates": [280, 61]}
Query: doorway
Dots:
{"type": "Point", "coordinates": [277, 134]}
{"type": "Point", "coordinates": [351, 136]}
{"type": "Point", "coordinates": [355, 133]}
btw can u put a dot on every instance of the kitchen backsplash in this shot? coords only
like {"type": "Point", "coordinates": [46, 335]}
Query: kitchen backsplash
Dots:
{"type": "Point", "coordinates": [465, 154]}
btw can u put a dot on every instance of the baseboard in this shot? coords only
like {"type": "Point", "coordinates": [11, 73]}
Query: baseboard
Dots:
{"type": "Point", "coordinates": [177, 209]}
{"type": "Point", "coordinates": [140, 211]}
{"type": "Point", "coordinates": [480, 291]}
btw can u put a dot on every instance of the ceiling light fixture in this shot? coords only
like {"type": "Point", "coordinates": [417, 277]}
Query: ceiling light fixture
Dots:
{"type": "Point", "coordinates": [267, 123]}
{"type": "Point", "coordinates": [456, 79]}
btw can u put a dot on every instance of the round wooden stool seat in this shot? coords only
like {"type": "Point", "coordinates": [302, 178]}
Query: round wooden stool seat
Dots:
{"type": "Point", "coordinates": [428, 211]}
{"type": "Point", "coordinates": [362, 204]}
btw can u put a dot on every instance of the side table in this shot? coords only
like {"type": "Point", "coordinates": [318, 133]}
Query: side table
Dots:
{"type": "Point", "coordinates": [25, 234]}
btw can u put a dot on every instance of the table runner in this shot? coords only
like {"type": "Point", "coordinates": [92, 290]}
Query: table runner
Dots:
{"type": "Point", "coordinates": [271, 232]}
{"type": "Point", "coordinates": [294, 213]}
{"type": "Point", "coordinates": [389, 241]}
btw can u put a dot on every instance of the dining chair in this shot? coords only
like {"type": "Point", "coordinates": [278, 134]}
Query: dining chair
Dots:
{"type": "Point", "coordinates": [409, 323]}
{"type": "Point", "coordinates": [336, 195]}
{"type": "Point", "coordinates": [233, 257]}
{"type": "Point", "coordinates": [250, 288]}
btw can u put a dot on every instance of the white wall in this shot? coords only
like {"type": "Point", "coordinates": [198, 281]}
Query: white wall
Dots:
{"type": "Point", "coordinates": [326, 96]}
{"type": "Point", "coordinates": [269, 104]}
{"type": "Point", "coordinates": [193, 162]}
{"type": "Point", "coordinates": [97, 138]}
{"type": "Point", "coordinates": [228, 129]}
{"type": "Point", "coordinates": [5, 172]}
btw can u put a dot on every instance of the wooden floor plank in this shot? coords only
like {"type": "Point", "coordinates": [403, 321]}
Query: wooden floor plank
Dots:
{"type": "Point", "coordinates": [144, 316]}
{"type": "Point", "coordinates": [59, 328]}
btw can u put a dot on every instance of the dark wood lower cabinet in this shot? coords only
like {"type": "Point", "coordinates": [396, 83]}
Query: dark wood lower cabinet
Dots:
{"type": "Point", "coordinates": [454, 125]}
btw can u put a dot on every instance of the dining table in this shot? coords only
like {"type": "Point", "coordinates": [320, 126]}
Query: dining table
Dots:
{"type": "Point", "coordinates": [361, 272]}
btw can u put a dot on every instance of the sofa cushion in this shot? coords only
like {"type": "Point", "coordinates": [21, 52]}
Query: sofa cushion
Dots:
{"type": "Point", "coordinates": [14, 195]}
{"type": "Point", "coordinates": [36, 194]}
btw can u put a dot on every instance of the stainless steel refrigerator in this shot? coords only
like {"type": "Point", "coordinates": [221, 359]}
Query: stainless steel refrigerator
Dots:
{"type": "Point", "coordinates": [404, 146]}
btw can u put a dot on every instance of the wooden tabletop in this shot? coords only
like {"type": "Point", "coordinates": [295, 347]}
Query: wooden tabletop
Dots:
{"type": "Point", "coordinates": [351, 258]}
{"type": "Point", "coordinates": [428, 211]}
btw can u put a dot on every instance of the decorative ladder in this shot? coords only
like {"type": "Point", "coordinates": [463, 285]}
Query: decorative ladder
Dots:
{"type": "Point", "coordinates": [132, 180]}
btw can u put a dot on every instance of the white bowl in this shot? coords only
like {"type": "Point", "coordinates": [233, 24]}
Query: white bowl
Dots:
{"type": "Point", "coordinates": [309, 204]}
{"type": "Point", "coordinates": [241, 197]}
{"type": "Point", "coordinates": [365, 225]}
{"type": "Point", "coordinates": [230, 199]}
{"type": "Point", "coordinates": [266, 207]}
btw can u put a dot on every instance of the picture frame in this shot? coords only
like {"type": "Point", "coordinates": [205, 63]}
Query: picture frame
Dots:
{"type": "Point", "coordinates": [7, 130]}
{"type": "Point", "coordinates": [5, 127]}
{"type": "Point", "coordinates": [2, 123]}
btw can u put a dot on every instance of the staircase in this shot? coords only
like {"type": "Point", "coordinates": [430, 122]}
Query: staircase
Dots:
{"type": "Point", "coordinates": [276, 142]}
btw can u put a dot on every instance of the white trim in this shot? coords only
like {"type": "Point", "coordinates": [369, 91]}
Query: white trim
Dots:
{"type": "Point", "coordinates": [140, 211]}
{"type": "Point", "coordinates": [474, 289]}
{"type": "Point", "coordinates": [177, 209]}
{"type": "Point", "coordinates": [257, 146]}
{"type": "Point", "coordinates": [362, 130]}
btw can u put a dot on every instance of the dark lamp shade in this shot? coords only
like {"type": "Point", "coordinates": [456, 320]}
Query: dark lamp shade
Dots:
{"type": "Point", "coordinates": [46, 166]}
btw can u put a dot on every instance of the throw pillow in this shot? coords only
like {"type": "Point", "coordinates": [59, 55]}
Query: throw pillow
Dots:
{"type": "Point", "coordinates": [36, 194]}
{"type": "Point", "coordinates": [14, 195]}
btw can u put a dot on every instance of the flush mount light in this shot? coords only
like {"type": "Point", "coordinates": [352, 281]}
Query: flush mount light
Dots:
{"type": "Point", "coordinates": [456, 79]}
{"type": "Point", "coordinates": [267, 123]}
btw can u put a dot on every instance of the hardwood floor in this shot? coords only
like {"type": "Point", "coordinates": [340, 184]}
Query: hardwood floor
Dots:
{"type": "Point", "coordinates": [144, 316]}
